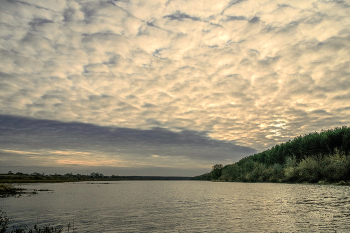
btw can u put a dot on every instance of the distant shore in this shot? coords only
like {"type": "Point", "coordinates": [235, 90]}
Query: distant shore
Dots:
{"type": "Point", "coordinates": [7, 180]}
{"type": "Point", "coordinates": [341, 183]}
{"type": "Point", "coordinates": [57, 178]}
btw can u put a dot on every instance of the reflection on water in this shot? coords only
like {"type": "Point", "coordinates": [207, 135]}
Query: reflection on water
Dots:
{"type": "Point", "coordinates": [185, 206]}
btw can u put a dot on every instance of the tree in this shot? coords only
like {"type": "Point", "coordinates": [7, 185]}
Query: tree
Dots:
{"type": "Point", "coordinates": [96, 175]}
{"type": "Point", "coordinates": [216, 172]}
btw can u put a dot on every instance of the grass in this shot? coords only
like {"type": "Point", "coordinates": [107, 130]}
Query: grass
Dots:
{"type": "Point", "coordinates": [5, 225]}
{"type": "Point", "coordinates": [7, 190]}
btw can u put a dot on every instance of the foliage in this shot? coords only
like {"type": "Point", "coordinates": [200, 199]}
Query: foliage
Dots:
{"type": "Point", "coordinates": [316, 157]}
{"type": "Point", "coordinates": [310, 145]}
{"type": "Point", "coordinates": [216, 172]}
{"type": "Point", "coordinates": [336, 167]}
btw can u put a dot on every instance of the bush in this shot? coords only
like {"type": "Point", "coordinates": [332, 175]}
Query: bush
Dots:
{"type": "Point", "coordinates": [275, 173]}
{"type": "Point", "coordinates": [290, 170]}
{"type": "Point", "coordinates": [309, 170]}
{"type": "Point", "coordinates": [336, 167]}
{"type": "Point", "coordinates": [259, 173]}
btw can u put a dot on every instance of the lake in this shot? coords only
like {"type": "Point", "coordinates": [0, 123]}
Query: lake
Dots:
{"type": "Point", "coordinates": [184, 206]}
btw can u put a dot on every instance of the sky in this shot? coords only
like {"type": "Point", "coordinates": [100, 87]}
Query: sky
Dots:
{"type": "Point", "coordinates": [168, 87]}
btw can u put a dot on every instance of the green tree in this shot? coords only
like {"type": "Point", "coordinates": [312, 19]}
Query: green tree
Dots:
{"type": "Point", "coordinates": [217, 171]}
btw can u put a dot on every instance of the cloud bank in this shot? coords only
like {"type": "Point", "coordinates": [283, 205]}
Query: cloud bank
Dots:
{"type": "Point", "coordinates": [57, 144]}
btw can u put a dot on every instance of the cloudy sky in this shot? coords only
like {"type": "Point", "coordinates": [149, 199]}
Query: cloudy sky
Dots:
{"type": "Point", "coordinates": [168, 87]}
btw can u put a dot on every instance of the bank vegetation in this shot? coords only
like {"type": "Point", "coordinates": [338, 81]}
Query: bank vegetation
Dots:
{"type": "Point", "coordinates": [313, 158]}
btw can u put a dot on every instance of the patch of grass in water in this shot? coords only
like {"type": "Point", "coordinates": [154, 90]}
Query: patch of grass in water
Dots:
{"type": "Point", "coordinates": [8, 190]}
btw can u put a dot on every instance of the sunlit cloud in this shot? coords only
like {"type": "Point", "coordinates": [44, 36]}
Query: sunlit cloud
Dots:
{"type": "Point", "coordinates": [106, 163]}
{"type": "Point", "coordinates": [20, 152]}
{"type": "Point", "coordinates": [70, 153]}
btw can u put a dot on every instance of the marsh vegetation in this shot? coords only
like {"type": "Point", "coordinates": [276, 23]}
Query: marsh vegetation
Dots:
{"type": "Point", "coordinates": [5, 227]}
{"type": "Point", "coordinates": [7, 190]}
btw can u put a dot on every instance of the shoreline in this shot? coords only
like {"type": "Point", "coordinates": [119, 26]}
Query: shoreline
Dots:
{"type": "Point", "coordinates": [341, 183]}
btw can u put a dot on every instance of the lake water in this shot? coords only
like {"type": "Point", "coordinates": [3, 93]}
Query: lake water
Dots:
{"type": "Point", "coordinates": [184, 206]}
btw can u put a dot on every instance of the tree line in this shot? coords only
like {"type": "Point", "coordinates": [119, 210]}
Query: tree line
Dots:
{"type": "Point", "coordinates": [20, 177]}
{"type": "Point", "coordinates": [315, 157]}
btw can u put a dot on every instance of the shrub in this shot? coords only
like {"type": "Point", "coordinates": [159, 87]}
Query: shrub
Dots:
{"type": "Point", "coordinates": [290, 170]}
{"type": "Point", "coordinates": [258, 174]}
{"type": "Point", "coordinates": [309, 170]}
{"type": "Point", "coordinates": [336, 167]}
{"type": "Point", "coordinates": [275, 173]}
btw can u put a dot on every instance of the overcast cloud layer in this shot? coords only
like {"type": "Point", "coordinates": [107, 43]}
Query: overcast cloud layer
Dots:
{"type": "Point", "coordinates": [250, 73]}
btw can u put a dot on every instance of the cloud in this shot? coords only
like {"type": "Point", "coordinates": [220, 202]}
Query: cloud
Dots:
{"type": "Point", "coordinates": [51, 142]}
{"type": "Point", "coordinates": [181, 16]}
{"type": "Point", "coordinates": [19, 152]}
{"type": "Point", "coordinates": [176, 68]}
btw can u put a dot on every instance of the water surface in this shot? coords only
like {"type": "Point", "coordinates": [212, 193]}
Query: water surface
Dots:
{"type": "Point", "coordinates": [184, 206]}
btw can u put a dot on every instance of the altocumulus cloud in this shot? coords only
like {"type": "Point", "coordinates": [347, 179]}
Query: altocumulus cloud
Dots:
{"type": "Point", "coordinates": [236, 76]}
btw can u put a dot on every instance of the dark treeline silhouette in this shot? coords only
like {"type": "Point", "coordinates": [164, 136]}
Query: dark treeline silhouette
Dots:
{"type": "Point", "coordinates": [19, 177]}
{"type": "Point", "coordinates": [316, 157]}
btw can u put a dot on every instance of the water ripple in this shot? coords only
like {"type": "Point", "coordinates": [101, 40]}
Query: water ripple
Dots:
{"type": "Point", "coordinates": [186, 206]}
